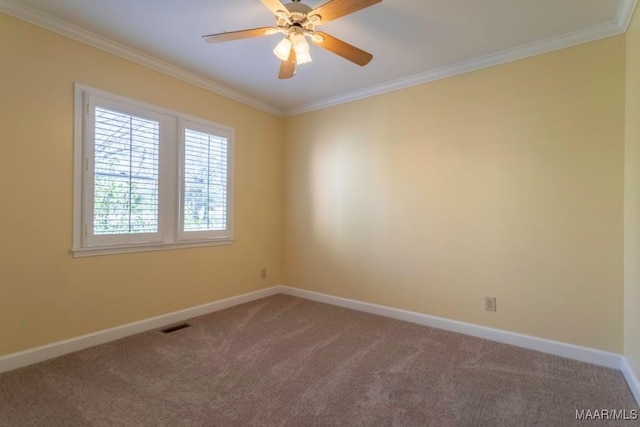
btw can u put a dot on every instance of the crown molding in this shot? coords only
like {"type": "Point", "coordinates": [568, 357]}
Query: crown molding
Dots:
{"type": "Point", "coordinates": [615, 27]}
{"type": "Point", "coordinates": [618, 26]}
{"type": "Point", "coordinates": [41, 19]}
{"type": "Point", "coordinates": [625, 13]}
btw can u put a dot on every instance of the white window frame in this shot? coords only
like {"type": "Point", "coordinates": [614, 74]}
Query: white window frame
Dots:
{"type": "Point", "coordinates": [198, 126]}
{"type": "Point", "coordinates": [170, 164]}
{"type": "Point", "coordinates": [90, 239]}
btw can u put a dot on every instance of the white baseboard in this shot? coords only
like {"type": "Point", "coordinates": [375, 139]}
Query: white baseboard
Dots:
{"type": "Point", "coordinates": [632, 379]}
{"type": "Point", "coordinates": [38, 354]}
{"type": "Point", "coordinates": [583, 354]}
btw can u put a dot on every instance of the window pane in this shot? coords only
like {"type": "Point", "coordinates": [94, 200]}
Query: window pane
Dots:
{"type": "Point", "coordinates": [126, 174]}
{"type": "Point", "coordinates": [205, 182]}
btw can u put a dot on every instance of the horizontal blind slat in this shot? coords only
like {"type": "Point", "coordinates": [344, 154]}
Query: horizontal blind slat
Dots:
{"type": "Point", "coordinates": [125, 173]}
{"type": "Point", "coordinates": [205, 158]}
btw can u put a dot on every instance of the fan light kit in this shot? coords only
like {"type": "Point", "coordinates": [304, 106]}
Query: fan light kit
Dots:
{"type": "Point", "coordinates": [297, 22]}
{"type": "Point", "coordinates": [300, 48]}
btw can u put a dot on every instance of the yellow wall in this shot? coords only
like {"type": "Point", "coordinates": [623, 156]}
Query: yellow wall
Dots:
{"type": "Point", "coordinates": [45, 294]}
{"type": "Point", "coordinates": [632, 199]}
{"type": "Point", "coordinates": [504, 182]}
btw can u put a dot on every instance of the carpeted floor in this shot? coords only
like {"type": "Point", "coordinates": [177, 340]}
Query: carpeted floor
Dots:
{"type": "Point", "coordinates": [288, 361]}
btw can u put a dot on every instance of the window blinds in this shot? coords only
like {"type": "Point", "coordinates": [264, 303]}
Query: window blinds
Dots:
{"type": "Point", "coordinates": [205, 182]}
{"type": "Point", "coordinates": [125, 198]}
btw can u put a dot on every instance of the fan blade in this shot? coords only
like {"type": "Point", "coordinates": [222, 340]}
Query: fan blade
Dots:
{"type": "Point", "coordinates": [288, 67]}
{"type": "Point", "coordinates": [275, 6]}
{"type": "Point", "coordinates": [334, 9]}
{"type": "Point", "coordinates": [344, 49]}
{"type": "Point", "coordinates": [238, 35]}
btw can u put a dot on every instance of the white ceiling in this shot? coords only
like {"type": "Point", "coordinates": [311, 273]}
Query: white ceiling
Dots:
{"type": "Point", "coordinates": [412, 41]}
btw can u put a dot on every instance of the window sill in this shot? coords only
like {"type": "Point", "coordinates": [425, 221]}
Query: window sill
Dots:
{"type": "Point", "coordinates": [145, 247]}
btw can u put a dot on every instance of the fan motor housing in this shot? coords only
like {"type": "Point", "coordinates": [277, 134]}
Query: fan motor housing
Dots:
{"type": "Point", "coordinates": [298, 11]}
{"type": "Point", "coordinates": [298, 17]}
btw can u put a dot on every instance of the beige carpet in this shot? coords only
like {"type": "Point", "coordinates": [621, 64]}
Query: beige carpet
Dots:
{"type": "Point", "coordinates": [288, 361]}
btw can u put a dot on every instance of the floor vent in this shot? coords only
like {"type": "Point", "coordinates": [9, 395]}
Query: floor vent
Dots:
{"type": "Point", "coordinates": [176, 328]}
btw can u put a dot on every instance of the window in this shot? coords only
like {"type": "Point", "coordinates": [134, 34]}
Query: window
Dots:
{"type": "Point", "coordinates": [204, 182]}
{"type": "Point", "coordinates": [147, 178]}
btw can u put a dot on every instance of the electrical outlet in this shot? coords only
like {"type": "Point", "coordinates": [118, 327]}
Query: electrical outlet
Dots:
{"type": "Point", "coordinates": [263, 273]}
{"type": "Point", "coordinates": [490, 303]}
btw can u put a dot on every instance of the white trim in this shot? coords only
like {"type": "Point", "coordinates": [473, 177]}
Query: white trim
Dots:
{"type": "Point", "coordinates": [89, 239]}
{"type": "Point", "coordinates": [583, 354]}
{"type": "Point", "coordinates": [617, 26]}
{"type": "Point", "coordinates": [60, 348]}
{"type": "Point", "coordinates": [228, 134]}
{"type": "Point", "coordinates": [146, 247]}
{"type": "Point", "coordinates": [625, 13]}
{"type": "Point", "coordinates": [41, 19]}
{"type": "Point", "coordinates": [532, 49]}
{"type": "Point", "coordinates": [168, 236]}
{"type": "Point", "coordinates": [78, 163]}
{"type": "Point", "coordinates": [632, 379]}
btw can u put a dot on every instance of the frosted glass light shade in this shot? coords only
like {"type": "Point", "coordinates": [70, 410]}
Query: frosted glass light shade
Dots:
{"type": "Point", "coordinates": [283, 49]}
{"type": "Point", "coordinates": [301, 48]}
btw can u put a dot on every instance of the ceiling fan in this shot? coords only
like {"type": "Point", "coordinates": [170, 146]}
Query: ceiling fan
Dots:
{"type": "Point", "coordinates": [298, 21]}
